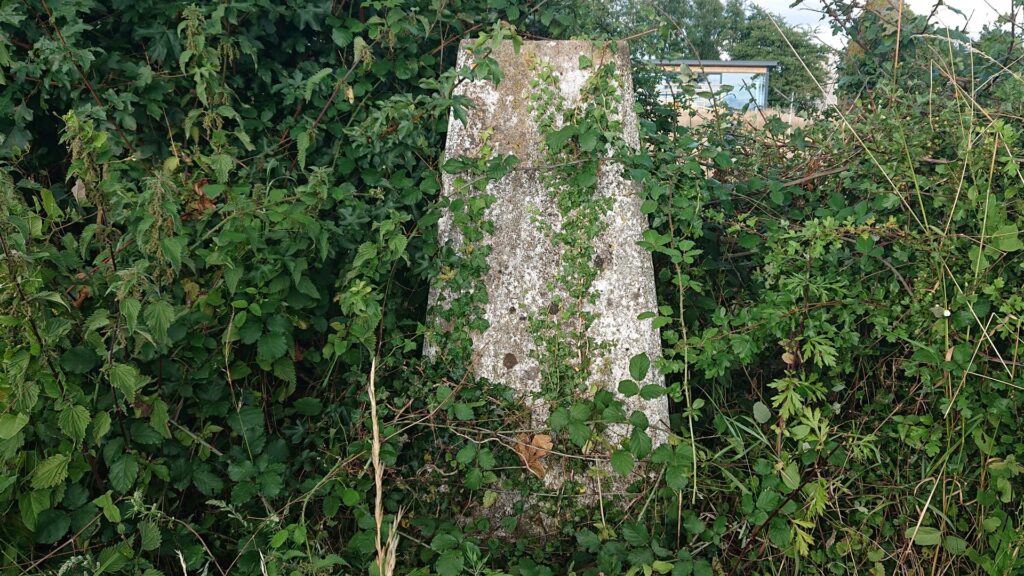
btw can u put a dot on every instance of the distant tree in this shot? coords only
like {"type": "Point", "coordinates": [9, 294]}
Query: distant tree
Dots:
{"type": "Point", "coordinates": [678, 29]}
{"type": "Point", "coordinates": [757, 38]}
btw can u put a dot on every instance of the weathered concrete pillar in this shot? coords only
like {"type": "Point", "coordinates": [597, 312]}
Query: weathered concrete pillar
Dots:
{"type": "Point", "coordinates": [525, 263]}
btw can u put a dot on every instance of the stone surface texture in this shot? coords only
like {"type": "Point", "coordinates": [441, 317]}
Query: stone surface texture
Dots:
{"type": "Point", "coordinates": [523, 263]}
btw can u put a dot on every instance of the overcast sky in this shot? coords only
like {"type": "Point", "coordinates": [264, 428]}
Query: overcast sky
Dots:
{"type": "Point", "coordinates": [976, 13]}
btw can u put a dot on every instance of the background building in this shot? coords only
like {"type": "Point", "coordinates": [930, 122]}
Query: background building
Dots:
{"type": "Point", "coordinates": [733, 83]}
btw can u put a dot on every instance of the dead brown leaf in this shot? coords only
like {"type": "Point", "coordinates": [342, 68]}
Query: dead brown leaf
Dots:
{"type": "Point", "coordinates": [532, 450]}
{"type": "Point", "coordinates": [199, 203]}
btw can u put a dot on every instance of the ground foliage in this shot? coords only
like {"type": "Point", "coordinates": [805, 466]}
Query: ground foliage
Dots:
{"type": "Point", "coordinates": [220, 223]}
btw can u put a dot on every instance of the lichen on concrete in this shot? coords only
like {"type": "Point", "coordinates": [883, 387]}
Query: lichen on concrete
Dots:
{"type": "Point", "coordinates": [524, 264]}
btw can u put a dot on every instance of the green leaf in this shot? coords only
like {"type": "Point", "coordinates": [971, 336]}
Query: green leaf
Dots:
{"type": "Point", "coordinates": [271, 346]}
{"type": "Point", "coordinates": [341, 36]}
{"type": "Point", "coordinates": [284, 369]}
{"type": "Point", "coordinates": [110, 511]}
{"type": "Point", "coordinates": [207, 482]}
{"type": "Point", "coordinates": [279, 538]}
{"type": "Point", "coordinates": [159, 418]}
{"type": "Point", "coordinates": [11, 424]}
{"type": "Point", "coordinates": [661, 567]}
{"type": "Point", "coordinates": [314, 80]}
{"type": "Point", "coordinates": [450, 563]}
{"type": "Point", "coordinates": [308, 406]}
{"type": "Point", "coordinates": [462, 411]}
{"type": "Point", "coordinates": [466, 454]}
{"type": "Point", "coordinates": [126, 379]}
{"type": "Point", "coordinates": [73, 421]}
{"type": "Point", "coordinates": [924, 535]}
{"type": "Point", "coordinates": [762, 413]}
{"type": "Point", "coordinates": [638, 366]}
{"type": "Point", "coordinates": [149, 535]}
{"type": "Point", "coordinates": [991, 523]}
{"type": "Point", "coordinates": [1007, 238]}
{"type": "Point", "coordinates": [955, 545]}
{"type": "Point", "coordinates": [652, 391]}
{"type": "Point", "coordinates": [123, 473]}
{"type": "Point", "coordinates": [628, 388]}
{"type": "Point", "coordinates": [635, 534]}
{"type": "Point", "coordinates": [302, 147]}
{"type": "Point", "coordinates": [158, 316]}
{"type": "Point", "coordinates": [130, 309]}
{"type": "Point", "coordinates": [222, 165]}
{"type": "Point", "coordinates": [51, 526]}
{"type": "Point", "coordinates": [79, 360]}
{"type": "Point", "coordinates": [50, 472]}
{"type": "Point", "coordinates": [100, 426]}
{"type": "Point", "coordinates": [485, 458]}
{"type": "Point", "coordinates": [791, 475]}
{"type": "Point", "coordinates": [588, 140]}
{"type": "Point", "coordinates": [622, 462]}
{"type": "Point", "coordinates": [693, 524]}
{"type": "Point", "coordinates": [779, 532]}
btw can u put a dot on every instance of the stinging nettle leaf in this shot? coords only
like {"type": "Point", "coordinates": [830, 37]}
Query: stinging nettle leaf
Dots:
{"type": "Point", "coordinates": [73, 421]}
{"type": "Point", "coordinates": [50, 472]}
{"type": "Point", "coordinates": [123, 473]}
{"type": "Point", "coordinates": [11, 424]}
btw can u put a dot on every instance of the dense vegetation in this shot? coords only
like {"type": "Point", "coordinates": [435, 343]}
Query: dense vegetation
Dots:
{"type": "Point", "coordinates": [219, 228]}
{"type": "Point", "coordinates": [712, 30]}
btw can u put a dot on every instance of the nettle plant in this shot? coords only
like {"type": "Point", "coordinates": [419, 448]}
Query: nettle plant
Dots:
{"type": "Point", "coordinates": [219, 221]}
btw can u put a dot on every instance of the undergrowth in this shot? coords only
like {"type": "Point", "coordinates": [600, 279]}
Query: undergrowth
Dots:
{"type": "Point", "coordinates": [220, 225]}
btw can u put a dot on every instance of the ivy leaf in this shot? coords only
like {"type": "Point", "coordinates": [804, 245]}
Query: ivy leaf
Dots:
{"type": "Point", "coordinates": [123, 473]}
{"type": "Point", "coordinates": [638, 366]}
{"type": "Point", "coordinates": [50, 472]}
{"type": "Point", "coordinates": [73, 421]}
{"type": "Point", "coordinates": [11, 424]}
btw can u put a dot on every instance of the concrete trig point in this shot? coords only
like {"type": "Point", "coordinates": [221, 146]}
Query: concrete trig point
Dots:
{"type": "Point", "coordinates": [523, 261]}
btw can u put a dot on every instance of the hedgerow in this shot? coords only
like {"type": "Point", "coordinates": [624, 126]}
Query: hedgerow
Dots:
{"type": "Point", "coordinates": [219, 236]}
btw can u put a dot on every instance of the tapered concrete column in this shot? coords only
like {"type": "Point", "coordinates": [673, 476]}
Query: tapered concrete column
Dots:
{"type": "Point", "coordinates": [524, 263]}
